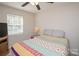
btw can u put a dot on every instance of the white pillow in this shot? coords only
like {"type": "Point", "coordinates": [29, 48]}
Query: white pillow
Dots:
{"type": "Point", "coordinates": [58, 33]}
{"type": "Point", "coordinates": [48, 32]}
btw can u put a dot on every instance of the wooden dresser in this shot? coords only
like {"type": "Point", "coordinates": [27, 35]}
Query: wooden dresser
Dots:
{"type": "Point", "coordinates": [3, 39]}
{"type": "Point", "coordinates": [3, 46]}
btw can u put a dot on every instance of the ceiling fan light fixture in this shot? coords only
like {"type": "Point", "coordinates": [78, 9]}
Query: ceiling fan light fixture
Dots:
{"type": "Point", "coordinates": [34, 3]}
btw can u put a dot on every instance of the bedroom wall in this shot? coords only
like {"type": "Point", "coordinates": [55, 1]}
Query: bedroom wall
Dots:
{"type": "Point", "coordinates": [62, 16]}
{"type": "Point", "coordinates": [28, 22]}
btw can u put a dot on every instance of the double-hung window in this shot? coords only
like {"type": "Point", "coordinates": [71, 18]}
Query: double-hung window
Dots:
{"type": "Point", "coordinates": [15, 24]}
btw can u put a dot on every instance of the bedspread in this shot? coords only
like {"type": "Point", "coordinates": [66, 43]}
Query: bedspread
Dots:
{"type": "Point", "coordinates": [39, 47]}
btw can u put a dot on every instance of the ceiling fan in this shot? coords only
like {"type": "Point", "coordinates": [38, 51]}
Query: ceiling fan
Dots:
{"type": "Point", "coordinates": [34, 3]}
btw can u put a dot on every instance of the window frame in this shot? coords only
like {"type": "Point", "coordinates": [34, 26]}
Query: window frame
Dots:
{"type": "Point", "coordinates": [17, 31]}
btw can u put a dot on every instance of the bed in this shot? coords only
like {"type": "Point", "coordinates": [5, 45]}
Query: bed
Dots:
{"type": "Point", "coordinates": [43, 45]}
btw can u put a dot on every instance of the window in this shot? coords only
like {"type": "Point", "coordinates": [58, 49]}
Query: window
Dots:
{"type": "Point", "coordinates": [15, 24]}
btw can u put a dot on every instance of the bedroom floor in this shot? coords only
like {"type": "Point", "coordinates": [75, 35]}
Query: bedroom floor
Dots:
{"type": "Point", "coordinates": [10, 54]}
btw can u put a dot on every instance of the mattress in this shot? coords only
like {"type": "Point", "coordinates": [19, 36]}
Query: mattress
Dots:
{"type": "Point", "coordinates": [41, 46]}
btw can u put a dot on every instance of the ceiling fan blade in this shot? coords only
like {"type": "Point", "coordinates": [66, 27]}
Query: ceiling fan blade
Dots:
{"type": "Point", "coordinates": [51, 2]}
{"type": "Point", "coordinates": [38, 7]}
{"type": "Point", "coordinates": [26, 3]}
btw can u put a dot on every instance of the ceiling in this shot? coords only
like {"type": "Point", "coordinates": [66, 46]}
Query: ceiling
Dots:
{"type": "Point", "coordinates": [29, 7]}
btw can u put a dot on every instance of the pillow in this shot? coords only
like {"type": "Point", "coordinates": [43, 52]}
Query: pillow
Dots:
{"type": "Point", "coordinates": [60, 40]}
{"type": "Point", "coordinates": [55, 33]}
{"type": "Point", "coordinates": [59, 33]}
{"type": "Point", "coordinates": [48, 32]}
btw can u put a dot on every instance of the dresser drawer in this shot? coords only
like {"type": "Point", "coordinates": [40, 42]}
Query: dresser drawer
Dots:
{"type": "Point", "coordinates": [4, 48]}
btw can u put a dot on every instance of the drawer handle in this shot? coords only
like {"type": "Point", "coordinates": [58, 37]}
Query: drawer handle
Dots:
{"type": "Point", "coordinates": [3, 41]}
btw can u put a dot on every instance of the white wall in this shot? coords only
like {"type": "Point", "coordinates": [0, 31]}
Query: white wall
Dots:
{"type": "Point", "coordinates": [28, 22]}
{"type": "Point", "coordinates": [63, 16]}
